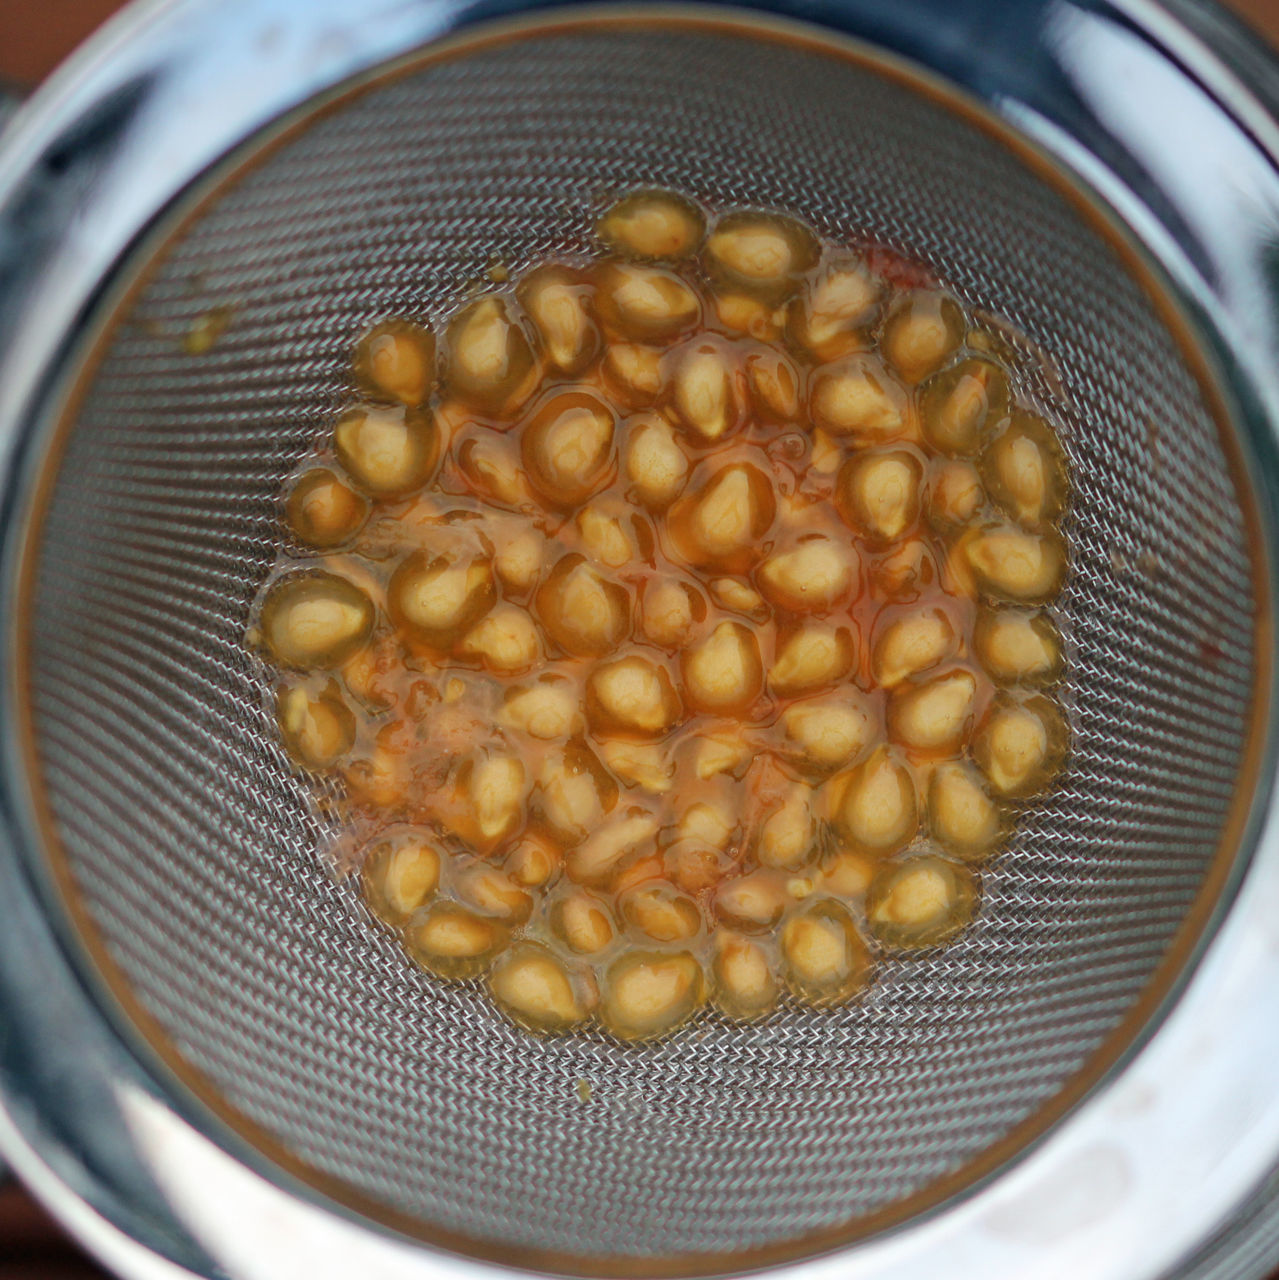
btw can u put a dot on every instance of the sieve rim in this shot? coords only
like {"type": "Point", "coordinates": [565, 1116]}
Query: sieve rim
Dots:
{"type": "Point", "coordinates": [259, 154]}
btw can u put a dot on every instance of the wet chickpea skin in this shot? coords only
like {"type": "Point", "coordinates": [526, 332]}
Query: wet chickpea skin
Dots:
{"type": "Point", "coordinates": [671, 631]}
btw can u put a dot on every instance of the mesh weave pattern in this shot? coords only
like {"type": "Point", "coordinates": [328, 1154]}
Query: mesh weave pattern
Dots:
{"type": "Point", "coordinates": [193, 845]}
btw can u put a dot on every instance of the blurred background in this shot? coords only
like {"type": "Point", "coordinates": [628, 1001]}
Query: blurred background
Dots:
{"type": "Point", "coordinates": [35, 35]}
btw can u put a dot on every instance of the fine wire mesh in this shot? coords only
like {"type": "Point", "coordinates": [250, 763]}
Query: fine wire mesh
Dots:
{"type": "Point", "coordinates": [193, 846]}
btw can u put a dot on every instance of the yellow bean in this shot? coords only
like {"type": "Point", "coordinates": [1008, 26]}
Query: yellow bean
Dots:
{"type": "Point", "coordinates": [669, 609]}
{"type": "Point", "coordinates": [533, 862]}
{"type": "Point", "coordinates": [955, 494]}
{"type": "Point", "coordinates": [924, 329]}
{"type": "Point", "coordinates": [775, 385]}
{"type": "Point", "coordinates": [490, 363]}
{"type": "Point", "coordinates": [645, 303]}
{"type": "Point", "coordinates": [1025, 471]}
{"type": "Point", "coordinates": [315, 620]}
{"type": "Point", "coordinates": [322, 511]}
{"type": "Point", "coordinates": [962, 817]}
{"type": "Point", "coordinates": [318, 730]}
{"type": "Point", "coordinates": [826, 959]}
{"type": "Point", "coordinates": [536, 990]}
{"type": "Point", "coordinates": [724, 524]}
{"type": "Point", "coordinates": [506, 640]}
{"type": "Point", "coordinates": [752, 903]}
{"type": "Point", "coordinates": [662, 913]}
{"type": "Point", "coordinates": [497, 786]}
{"type": "Point", "coordinates": [583, 921]}
{"type": "Point", "coordinates": [631, 694]}
{"type": "Point", "coordinates": [812, 576]}
{"type": "Point", "coordinates": [568, 448]}
{"type": "Point", "coordinates": [454, 942]}
{"type": "Point", "coordinates": [583, 612]}
{"type": "Point", "coordinates": [764, 254]}
{"type": "Point", "coordinates": [558, 300]}
{"type": "Point", "coordinates": [857, 398]}
{"type": "Point", "coordinates": [904, 571]}
{"type": "Point", "coordinates": [548, 708]}
{"type": "Point", "coordinates": [632, 374]}
{"type": "Point", "coordinates": [494, 892]}
{"type": "Point", "coordinates": [813, 656]}
{"type": "Point", "coordinates": [878, 493]}
{"type": "Point", "coordinates": [388, 452]}
{"type": "Point", "coordinates": [922, 902]}
{"type": "Point", "coordinates": [788, 837]}
{"type": "Point", "coordinates": [648, 994]}
{"type": "Point", "coordinates": [723, 750]}
{"type": "Point", "coordinates": [911, 643]}
{"type": "Point", "coordinates": [653, 224]}
{"type": "Point", "coordinates": [1011, 564]}
{"type": "Point", "coordinates": [654, 462]}
{"type": "Point", "coordinates": [1022, 744]}
{"type": "Point", "coordinates": [723, 672]}
{"type": "Point", "coordinates": [400, 874]}
{"type": "Point", "coordinates": [490, 461]}
{"type": "Point", "coordinates": [935, 716]}
{"type": "Point", "coordinates": [611, 534]}
{"type": "Point", "coordinates": [704, 391]}
{"type": "Point", "coordinates": [639, 764]}
{"type": "Point", "coordinates": [847, 874]}
{"type": "Point", "coordinates": [745, 985]}
{"type": "Point", "coordinates": [1018, 646]}
{"type": "Point", "coordinates": [873, 804]}
{"type": "Point", "coordinates": [959, 406]}
{"type": "Point", "coordinates": [519, 552]}
{"type": "Point", "coordinates": [440, 597]}
{"type": "Point", "coordinates": [745, 313]}
{"type": "Point", "coordinates": [833, 315]}
{"type": "Point", "coordinates": [397, 360]}
{"type": "Point", "coordinates": [740, 597]}
{"type": "Point", "coordinates": [830, 732]}
{"type": "Point", "coordinates": [574, 793]}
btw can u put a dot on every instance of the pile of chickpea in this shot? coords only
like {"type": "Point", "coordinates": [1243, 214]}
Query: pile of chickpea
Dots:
{"type": "Point", "coordinates": [677, 625]}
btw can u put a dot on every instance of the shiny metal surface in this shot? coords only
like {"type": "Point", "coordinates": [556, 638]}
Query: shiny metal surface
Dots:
{"type": "Point", "coordinates": [1102, 1174]}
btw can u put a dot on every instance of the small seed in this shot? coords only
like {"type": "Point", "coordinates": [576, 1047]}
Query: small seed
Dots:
{"type": "Point", "coordinates": [536, 989]}
{"type": "Point", "coordinates": [831, 732]}
{"type": "Point", "coordinates": [397, 360]}
{"type": "Point", "coordinates": [583, 612]}
{"type": "Point", "coordinates": [812, 576]}
{"type": "Point", "coordinates": [921, 902]}
{"type": "Point", "coordinates": [704, 390]}
{"type": "Point", "coordinates": [387, 452]}
{"type": "Point", "coordinates": [315, 620]}
{"type": "Point", "coordinates": [724, 525]}
{"type": "Point", "coordinates": [574, 793]}
{"type": "Point", "coordinates": [632, 374]}
{"type": "Point", "coordinates": [647, 995]}
{"type": "Point", "coordinates": [549, 709]}
{"type": "Point", "coordinates": [814, 656]}
{"type": "Point", "coordinates": [745, 986]}
{"type": "Point", "coordinates": [645, 304]}
{"type": "Point", "coordinates": [934, 717]}
{"type": "Point", "coordinates": [322, 511]}
{"type": "Point", "coordinates": [317, 730]}
{"type": "Point", "coordinates": [922, 332]}
{"type": "Point", "coordinates": [873, 804]}
{"type": "Point", "coordinates": [653, 224]}
{"type": "Point", "coordinates": [490, 363]}
{"type": "Point", "coordinates": [558, 300]}
{"type": "Point", "coordinates": [911, 643]}
{"type": "Point", "coordinates": [1018, 646]}
{"type": "Point", "coordinates": [1025, 471]}
{"type": "Point", "coordinates": [568, 448]}
{"type": "Point", "coordinates": [723, 672]}
{"type": "Point", "coordinates": [962, 817]}
{"type": "Point", "coordinates": [505, 641]}
{"type": "Point", "coordinates": [1022, 745]}
{"type": "Point", "coordinates": [878, 494]}
{"type": "Point", "coordinates": [764, 254]}
{"type": "Point", "coordinates": [833, 315]}
{"type": "Point", "coordinates": [1010, 564]}
{"type": "Point", "coordinates": [400, 874]}
{"type": "Point", "coordinates": [654, 462]}
{"type": "Point", "coordinates": [961, 405]}
{"type": "Point", "coordinates": [633, 695]}
{"type": "Point", "coordinates": [856, 398]}
{"type": "Point", "coordinates": [826, 959]}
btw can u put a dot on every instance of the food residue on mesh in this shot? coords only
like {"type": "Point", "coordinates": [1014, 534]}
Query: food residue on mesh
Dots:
{"type": "Point", "coordinates": [677, 623]}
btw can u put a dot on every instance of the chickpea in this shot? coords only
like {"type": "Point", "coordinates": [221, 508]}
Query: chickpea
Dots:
{"type": "Point", "coordinates": [814, 656]}
{"type": "Point", "coordinates": [455, 943]}
{"type": "Point", "coordinates": [731, 593]}
{"type": "Point", "coordinates": [535, 989]}
{"type": "Point", "coordinates": [549, 709]}
{"type": "Point", "coordinates": [920, 903]}
{"type": "Point", "coordinates": [723, 672]}
{"type": "Point", "coordinates": [400, 874]}
{"type": "Point", "coordinates": [322, 511]}
{"type": "Point", "coordinates": [855, 397]}
{"type": "Point", "coordinates": [490, 363]}
{"type": "Point", "coordinates": [878, 493]}
{"type": "Point", "coordinates": [1010, 564]}
{"type": "Point", "coordinates": [1021, 745]}
{"type": "Point", "coordinates": [496, 787]}
{"type": "Point", "coordinates": [379, 780]}
{"type": "Point", "coordinates": [826, 455]}
{"type": "Point", "coordinates": [934, 717]}
{"type": "Point", "coordinates": [568, 448]}
{"type": "Point", "coordinates": [662, 913]}
{"type": "Point", "coordinates": [704, 389]}
{"type": "Point", "coordinates": [318, 731]}
{"type": "Point", "coordinates": [518, 555]}
{"type": "Point", "coordinates": [491, 464]}
{"type": "Point", "coordinates": [584, 923]}
{"type": "Point", "coordinates": [873, 804]}
{"type": "Point", "coordinates": [619, 841]}
{"type": "Point", "coordinates": [649, 994]}
{"type": "Point", "coordinates": [745, 986]}
{"type": "Point", "coordinates": [959, 406]}
{"type": "Point", "coordinates": [533, 862]}
{"type": "Point", "coordinates": [707, 823]}
{"type": "Point", "coordinates": [751, 902]}
{"type": "Point", "coordinates": [574, 793]}
{"type": "Point", "coordinates": [847, 874]}
{"type": "Point", "coordinates": [654, 462]}
{"type": "Point", "coordinates": [387, 452]}
{"type": "Point", "coordinates": [584, 613]}
{"type": "Point", "coordinates": [923, 331]}
{"type": "Point", "coordinates": [639, 764]}
{"type": "Point", "coordinates": [788, 837]}
{"type": "Point", "coordinates": [506, 641]}
{"type": "Point", "coordinates": [653, 224]}
{"type": "Point", "coordinates": [833, 316]}
{"type": "Point", "coordinates": [812, 576]}
{"type": "Point", "coordinates": [610, 533]}
{"type": "Point", "coordinates": [397, 360]}
{"type": "Point", "coordinates": [1025, 471]}
{"type": "Point", "coordinates": [724, 525]}
{"type": "Point", "coordinates": [742, 313]}
{"type": "Point", "coordinates": [558, 302]}
{"type": "Point", "coordinates": [830, 732]}
{"type": "Point", "coordinates": [826, 959]}
{"type": "Point", "coordinates": [903, 572]}
{"type": "Point", "coordinates": [645, 304]}
{"type": "Point", "coordinates": [1018, 646]}
{"type": "Point", "coordinates": [911, 643]}
{"type": "Point", "coordinates": [439, 597]}
{"type": "Point", "coordinates": [764, 254]}
{"type": "Point", "coordinates": [669, 609]}
{"type": "Point", "coordinates": [722, 751]}
{"type": "Point", "coordinates": [632, 374]}
{"type": "Point", "coordinates": [633, 695]}
{"type": "Point", "coordinates": [955, 494]}
{"type": "Point", "coordinates": [962, 817]}
{"type": "Point", "coordinates": [494, 892]}
{"type": "Point", "coordinates": [774, 383]}
{"type": "Point", "coordinates": [315, 620]}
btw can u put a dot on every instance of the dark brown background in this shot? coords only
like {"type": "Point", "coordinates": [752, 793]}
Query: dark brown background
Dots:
{"type": "Point", "coordinates": [34, 36]}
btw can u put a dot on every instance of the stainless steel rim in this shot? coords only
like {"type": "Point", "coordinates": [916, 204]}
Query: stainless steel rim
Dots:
{"type": "Point", "coordinates": [138, 1171]}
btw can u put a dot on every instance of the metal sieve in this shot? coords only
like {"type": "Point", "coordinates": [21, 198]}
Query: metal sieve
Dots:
{"type": "Point", "coordinates": [240, 1031]}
